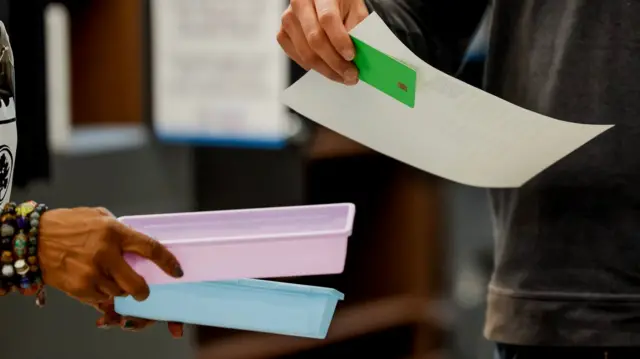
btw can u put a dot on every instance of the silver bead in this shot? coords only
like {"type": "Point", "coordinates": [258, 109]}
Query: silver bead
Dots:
{"type": "Point", "coordinates": [6, 230]}
{"type": "Point", "coordinates": [7, 270]}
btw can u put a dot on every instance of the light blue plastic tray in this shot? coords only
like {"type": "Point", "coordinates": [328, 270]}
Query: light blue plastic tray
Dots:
{"type": "Point", "coordinates": [246, 304]}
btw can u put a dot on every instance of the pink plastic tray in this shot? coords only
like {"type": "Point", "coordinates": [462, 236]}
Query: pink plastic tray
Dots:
{"type": "Point", "coordinates": [249, 243]}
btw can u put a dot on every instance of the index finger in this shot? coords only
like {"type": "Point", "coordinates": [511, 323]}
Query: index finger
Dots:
{"type": "Point", "coordinates": [318, 41]}
{"type": "Point", "coordinates": [147, 247]}
{"type": "Point", "coordinates": [331, 21]}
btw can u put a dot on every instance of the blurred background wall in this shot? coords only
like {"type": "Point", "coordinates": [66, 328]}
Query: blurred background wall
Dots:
{"type": "Point", "coordinates": [418, 261]}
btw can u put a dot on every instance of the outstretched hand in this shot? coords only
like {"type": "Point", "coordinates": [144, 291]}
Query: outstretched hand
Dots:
{"type": "Point", "coordinates": [315, 34]}
{"type": "Point", "coordinates": [81, 253]}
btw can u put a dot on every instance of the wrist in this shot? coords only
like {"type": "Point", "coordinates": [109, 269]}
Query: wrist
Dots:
{"type": "Point", "coordinates": [19, 235]}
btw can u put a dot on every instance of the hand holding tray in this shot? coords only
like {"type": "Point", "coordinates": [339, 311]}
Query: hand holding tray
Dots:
{"type": "Point", "coordinates": [248, 243]}
{"type": "Point", "coordinates": [214, 247]}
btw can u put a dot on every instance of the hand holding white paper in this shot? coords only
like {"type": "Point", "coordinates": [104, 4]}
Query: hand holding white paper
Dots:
{"type": "Point", "coordinates": [455, 130]}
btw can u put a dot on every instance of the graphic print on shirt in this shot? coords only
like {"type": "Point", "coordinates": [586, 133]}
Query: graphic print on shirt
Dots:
{"type": "Point", "coordinates": [6, 171]}
{"type": "Point", "coordinates": [8, 130]}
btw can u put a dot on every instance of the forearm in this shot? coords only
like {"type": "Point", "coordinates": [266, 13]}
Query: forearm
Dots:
{"type": "Point", "coordinates": [438, 31]}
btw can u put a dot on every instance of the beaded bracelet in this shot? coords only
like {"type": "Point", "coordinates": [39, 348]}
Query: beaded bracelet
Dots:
{"type": "Point", "coordinates": [20, 270]}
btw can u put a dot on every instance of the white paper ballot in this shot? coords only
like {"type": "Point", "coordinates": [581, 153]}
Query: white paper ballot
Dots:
{"type": "Point", "coordinates": [455, 131]}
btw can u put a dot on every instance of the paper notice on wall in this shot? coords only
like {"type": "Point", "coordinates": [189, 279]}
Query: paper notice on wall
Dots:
{"type": "Point", "coordinates": [217, 72]}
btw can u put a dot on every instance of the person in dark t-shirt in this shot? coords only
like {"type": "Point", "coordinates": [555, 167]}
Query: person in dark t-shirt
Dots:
{"type": "Point", "coordinates": [567, 255]}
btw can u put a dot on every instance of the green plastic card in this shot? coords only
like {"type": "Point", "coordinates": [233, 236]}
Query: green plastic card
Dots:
{"type": "Point", "coordinates": [385, 73]}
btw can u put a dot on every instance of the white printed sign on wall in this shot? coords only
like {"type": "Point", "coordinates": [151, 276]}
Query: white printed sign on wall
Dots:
{"type": "Point", "coordinates": [218, 72]}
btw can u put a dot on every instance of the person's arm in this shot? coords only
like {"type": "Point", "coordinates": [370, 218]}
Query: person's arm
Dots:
{"type": "Point", "coordinates": [438, 31]}
{"type": "Point", "coordinates": [79, 251]}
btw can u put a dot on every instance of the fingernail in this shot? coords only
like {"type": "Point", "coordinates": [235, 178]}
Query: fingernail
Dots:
{"type": "Point", "coordinates": [177, 334]}
{"type": "Point", "coordinates": [178, 272]}
{"type": "Point", "coordinates": [351, 77]}
{"type": "Point", "coordinates": [348, 54]}
{"type": "Point", "coordinates": [102, 323]}
{"type": "Point", "coordinates": [176, 329]}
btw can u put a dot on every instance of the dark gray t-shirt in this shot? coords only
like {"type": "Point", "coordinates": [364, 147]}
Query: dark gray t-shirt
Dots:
{"type": "Point", "coordinates": [567, 255]}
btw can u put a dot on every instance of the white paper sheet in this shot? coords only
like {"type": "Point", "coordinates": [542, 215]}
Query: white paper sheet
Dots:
{"type": "Point", "coordinates": [218, 71]}
{"type": "Point", "coordinates": [455, 131]}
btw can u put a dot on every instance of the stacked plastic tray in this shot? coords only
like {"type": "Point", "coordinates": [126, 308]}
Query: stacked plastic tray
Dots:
{"type": "Point", "coordinates": [219, 250]}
